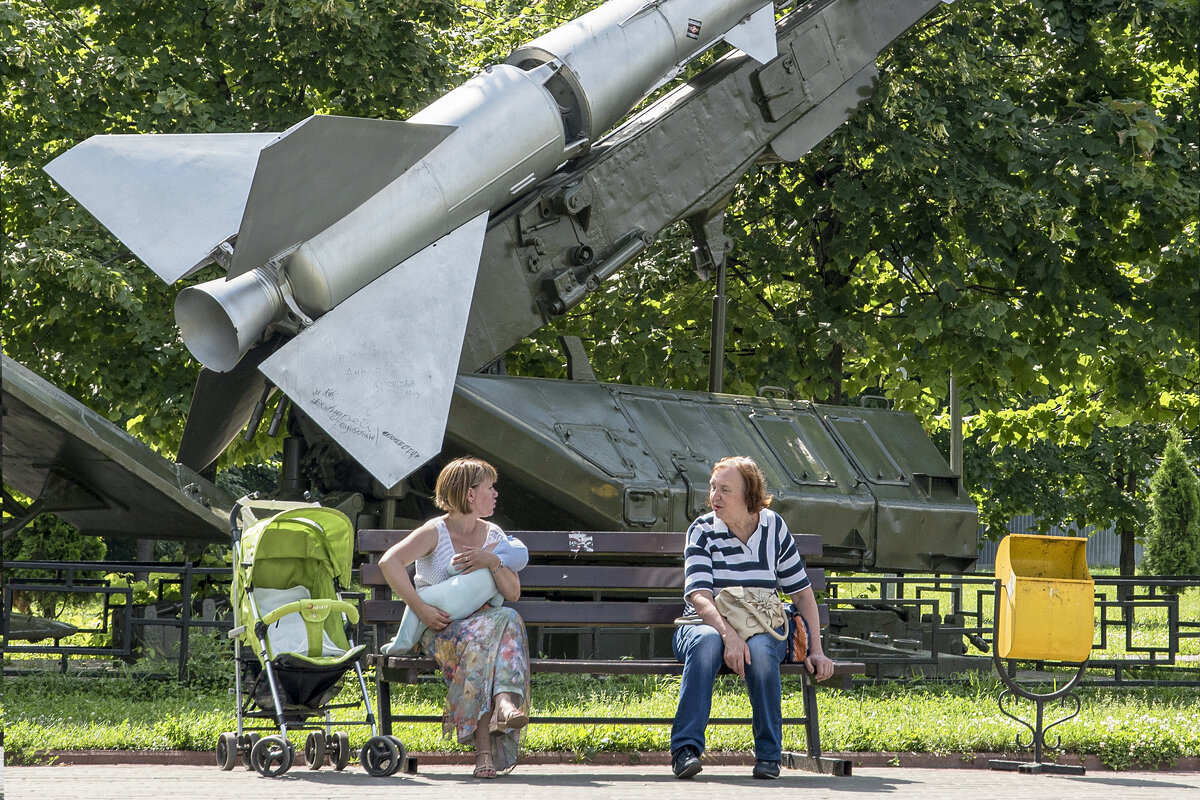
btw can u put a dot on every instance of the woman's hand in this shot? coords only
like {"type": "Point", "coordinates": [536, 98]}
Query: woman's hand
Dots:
{"type": "Point", "coordinates": [819, 666]}
{"type": "Point", "coordinates": [737, 652]}
{"type": "Point", "coordinates": [473, 558]}
{"type": "Point", "coordinates": [432, 616]}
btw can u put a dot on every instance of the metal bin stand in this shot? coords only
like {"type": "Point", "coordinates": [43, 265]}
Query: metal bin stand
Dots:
{"type": "Point", "coordinates": [1044, 611]}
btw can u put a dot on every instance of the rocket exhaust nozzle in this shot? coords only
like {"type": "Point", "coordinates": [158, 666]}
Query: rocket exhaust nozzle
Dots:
{"type": "Point", "coordinates": [220, 320]}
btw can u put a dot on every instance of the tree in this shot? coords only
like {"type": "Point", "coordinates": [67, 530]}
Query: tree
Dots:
{"type": "Point", "coordinates": [1173, 537]}
{"type": "Point", "coordinates": [47, 538]}
{"type": "Point", "coordinates": [72, 69]}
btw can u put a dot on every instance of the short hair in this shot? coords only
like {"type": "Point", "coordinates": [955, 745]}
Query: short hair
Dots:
{"type": "Point", "coordinates": [459, 477]}
{"type": "Point", "coordinates": [757, 496]}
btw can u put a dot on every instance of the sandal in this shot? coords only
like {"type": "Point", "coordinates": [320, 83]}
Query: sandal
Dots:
{"type": "Point", "coordinates": [484, 768]}
{"type": "Point", "coordinates": [513, 720]}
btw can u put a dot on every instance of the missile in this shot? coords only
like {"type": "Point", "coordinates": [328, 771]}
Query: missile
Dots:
{"type": "Point", "coordinates": [361, 238]}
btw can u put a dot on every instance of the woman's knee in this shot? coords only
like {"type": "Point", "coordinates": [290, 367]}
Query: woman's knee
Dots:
{"type": "Point", "coordinates": [704, 647]}
{"type": "Point", "coordinates": [765, 656]}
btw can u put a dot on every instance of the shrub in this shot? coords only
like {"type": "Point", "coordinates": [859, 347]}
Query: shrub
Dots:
{"type": "Point", "coordinates": [1173, 538]}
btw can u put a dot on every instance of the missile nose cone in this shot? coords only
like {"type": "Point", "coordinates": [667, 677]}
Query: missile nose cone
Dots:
{"type": "Point", "coordinates": [220, 320]}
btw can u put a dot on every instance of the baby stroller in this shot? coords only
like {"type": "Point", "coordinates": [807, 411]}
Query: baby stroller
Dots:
{"type": "Point", "coordinates": [291, 646]}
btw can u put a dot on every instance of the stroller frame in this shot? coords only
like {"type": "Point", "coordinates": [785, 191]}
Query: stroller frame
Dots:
{"type": "Point", "coordinates": [323, 537]}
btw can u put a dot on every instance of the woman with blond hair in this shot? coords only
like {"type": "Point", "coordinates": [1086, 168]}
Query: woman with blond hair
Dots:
{"type": "Point", "coordinates": [484, 657]}
{"type": "Point", "coordinates": [740, 542]}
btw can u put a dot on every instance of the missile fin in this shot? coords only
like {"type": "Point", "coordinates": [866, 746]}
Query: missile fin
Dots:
{"type": "Point", "coordinates": [317, 172]}
{"type": "Point", "coordinates": [755, 36]}
{"type": "Point", "coordinates": [377, 372]}
{"type": "Point", "coordinates": [222, 404]}
{"type": "Point", "coordinates": [170, 198]}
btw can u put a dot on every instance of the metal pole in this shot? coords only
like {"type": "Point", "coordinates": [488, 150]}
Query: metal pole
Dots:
{"type": "Point", "coordinates": [716, 350]}
{"type": "Point", "coordinates": [185, 615]}
{"type": "Point", "coordinates": [956, 436]}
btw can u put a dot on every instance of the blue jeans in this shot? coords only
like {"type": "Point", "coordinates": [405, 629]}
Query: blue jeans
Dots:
{"type": "Point", "coordinates": [700, 649]}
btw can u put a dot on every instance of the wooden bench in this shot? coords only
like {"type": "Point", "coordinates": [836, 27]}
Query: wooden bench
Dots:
{"type": "Point", "coordinates": [583, 594]}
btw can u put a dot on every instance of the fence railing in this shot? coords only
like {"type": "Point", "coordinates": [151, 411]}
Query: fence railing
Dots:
{"type": "Point", "coordinates": [129, 627]}
{"type": "Point", "coordinates": [958, 608]}
{"type": "Point", "coordinates": [944, 612]}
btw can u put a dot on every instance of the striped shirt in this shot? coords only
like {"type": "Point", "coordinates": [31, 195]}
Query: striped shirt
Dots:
{"type": "Point", "coordinates": [715, 558]}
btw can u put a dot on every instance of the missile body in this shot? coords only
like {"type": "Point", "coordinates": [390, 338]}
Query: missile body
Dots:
{"type": "Point", "coordinates": [361, 238]}
{"type": "Point", "coordinates": [509, 127]}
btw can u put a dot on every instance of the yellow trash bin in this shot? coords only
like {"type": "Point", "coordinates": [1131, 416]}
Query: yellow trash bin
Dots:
{"type": "Point", "coordinates": [1046, 598]}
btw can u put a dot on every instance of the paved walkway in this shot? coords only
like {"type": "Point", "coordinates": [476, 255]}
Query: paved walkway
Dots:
{"type": "Point", "coordinates": [568, 782]}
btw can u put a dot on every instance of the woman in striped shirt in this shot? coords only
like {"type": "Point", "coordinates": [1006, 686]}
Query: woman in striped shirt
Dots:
{"type": "Point", "coordinates": [741, 543]}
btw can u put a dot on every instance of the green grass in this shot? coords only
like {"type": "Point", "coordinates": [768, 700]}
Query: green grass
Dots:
{"type": "Point", "coordinates": [1122, 726]}
{"type": "Point", "coordinates": [128, 711]}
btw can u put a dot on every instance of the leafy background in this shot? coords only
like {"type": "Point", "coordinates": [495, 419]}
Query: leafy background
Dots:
{"type": "Point", "coordinates": [1017, 207]}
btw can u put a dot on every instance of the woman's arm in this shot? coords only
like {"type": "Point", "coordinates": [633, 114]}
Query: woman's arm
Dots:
{"type": "Point", "coordinates": [818, 663]}
{"type": "Point", "coordinates": [394, 566]}
{"type": "Point", "coordinates": [508, 583]}
{"type": "Point", "coordinates": [737, 652]}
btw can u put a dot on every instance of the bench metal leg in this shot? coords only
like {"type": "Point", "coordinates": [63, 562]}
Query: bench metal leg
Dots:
{"type": "Point", "coordinates": [384, 691]}
{"type": "Point", "coordinates": [821, 764]}
{"type": "Point", "coordinates": [812, 728]}
{"type": "Point", "coordinates": [813, 761]}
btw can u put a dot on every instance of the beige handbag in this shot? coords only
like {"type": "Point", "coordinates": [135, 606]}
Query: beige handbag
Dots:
{"type": "Point", "coordinates": [751, 610]}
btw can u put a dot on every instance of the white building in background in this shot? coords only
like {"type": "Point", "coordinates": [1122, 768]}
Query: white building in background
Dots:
{"type": "Point", "coordinates": [1103, 547]}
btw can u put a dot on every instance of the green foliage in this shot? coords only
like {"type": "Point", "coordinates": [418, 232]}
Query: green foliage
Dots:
{"type": "Point", "coordinates": [73, 69]}
{"type": "Point", "coordinates": [1068, 484]}
{"type": "Point", "coordinates": [1173, 538]}
{"type": "Point", "coordinates": [1018, 209]}
{"type": "Point", "coordinates": [47, 538]}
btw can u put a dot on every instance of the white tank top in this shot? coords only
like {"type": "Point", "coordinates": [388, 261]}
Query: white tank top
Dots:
{"type": "Point", "coordinates": [435, 567]}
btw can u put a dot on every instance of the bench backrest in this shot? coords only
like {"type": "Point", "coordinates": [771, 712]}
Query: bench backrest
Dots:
{"type": "Point", "coordinates": [578, 578]}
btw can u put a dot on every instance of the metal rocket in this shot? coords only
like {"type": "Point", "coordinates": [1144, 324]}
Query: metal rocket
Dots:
{"type": "Point", "coordinates": [362, 237]}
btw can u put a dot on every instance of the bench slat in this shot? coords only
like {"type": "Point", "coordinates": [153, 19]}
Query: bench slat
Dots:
{"type": "Point", "coordinates": [568, 613]}
{"type": "Point", "coordinates": [587, 542]}
{"type": "Point", "coordinates": [586, 578]}
{"type": "Point", "coordinates": [652, 666]}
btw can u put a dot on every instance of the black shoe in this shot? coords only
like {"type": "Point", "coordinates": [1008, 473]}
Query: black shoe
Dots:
{"type": "Point", "coordinates": [766, 770]}
{"type": "Point", "coordinates": [686, 763]}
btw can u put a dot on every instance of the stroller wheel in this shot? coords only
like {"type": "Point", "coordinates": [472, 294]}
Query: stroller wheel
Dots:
{"type": "Point", "coordinates": [401, 754]}
{"type": "Point", "coordinates": [314, 750]}
{"type": "Point", "coordinates": [272, 755]}
{"type": "Point", "coordinates": [379, 757]}
{"type": "Point", "coordinates": [227, 751]}
{"type": "Point", "coordinates": [339, 754]}
{"type": "Point", "coordinates": [248, 742]}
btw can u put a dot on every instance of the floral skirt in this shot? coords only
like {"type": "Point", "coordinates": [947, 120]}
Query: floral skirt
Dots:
{"type": "Point", "coordinates": [481, 656]}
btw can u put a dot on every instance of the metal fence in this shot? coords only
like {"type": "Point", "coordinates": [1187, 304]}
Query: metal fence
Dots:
{"type": "Point", "coordinates": [939, 615]}
{"type": "Point", "coordinates": [129, 629]}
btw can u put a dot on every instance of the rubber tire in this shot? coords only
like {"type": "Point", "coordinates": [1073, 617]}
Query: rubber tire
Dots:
{"type": "Point", "coordinates": [314, 750]}
{"type": "Point", "coordinates": [401, 755]}
{"type": "Point", "coordinates": [272, 756]}
{"type": "Point", "coordinates": [227, 751]}
{"type": "Point", "coordinates": [340, 755]}
{"type": "Point", "coordinates": [249, 740]}
{"type": "Point", "coordinates": [379, 757]}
